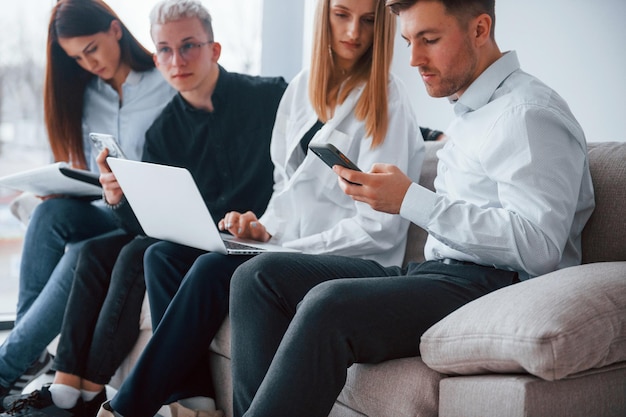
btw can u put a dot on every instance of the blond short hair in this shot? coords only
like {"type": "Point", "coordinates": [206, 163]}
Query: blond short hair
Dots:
{"type": "Point", "coordinates": [171, 10]}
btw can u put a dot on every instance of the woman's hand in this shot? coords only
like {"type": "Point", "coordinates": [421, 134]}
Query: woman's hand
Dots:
{"type": "Point", "coordinates": [245, 226]}
{"type": "Point", "coordinates": [112, 190]}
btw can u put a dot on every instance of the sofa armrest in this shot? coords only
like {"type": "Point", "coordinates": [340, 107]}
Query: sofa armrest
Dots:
{"type": "Point", "coordinates": [553, 326]}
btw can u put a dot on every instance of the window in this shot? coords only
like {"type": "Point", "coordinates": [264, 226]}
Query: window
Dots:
{"type": "Point", "coordinates": [23, 143]}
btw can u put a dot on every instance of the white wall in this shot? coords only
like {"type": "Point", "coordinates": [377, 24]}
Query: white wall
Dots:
{"type": "Point", "coordinates": [283, 38]}
{"type": "Point", "coordinates": [578, 47]}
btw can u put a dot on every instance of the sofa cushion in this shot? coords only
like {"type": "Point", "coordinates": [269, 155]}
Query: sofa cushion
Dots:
{"type": "Point", "coordinates": [553, 326]}
{"type": "Point", "coordinates": [497, 395]}
{"type": "Point", "coordinates": [221, 342]}
{"type": "Point", "coordinates": [402, 387]}
{"type": "Point", "coordinates": [603, 236]}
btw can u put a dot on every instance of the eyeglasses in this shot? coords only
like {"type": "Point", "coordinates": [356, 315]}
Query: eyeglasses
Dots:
{"type": "Point", "coordinates": [188, 52]}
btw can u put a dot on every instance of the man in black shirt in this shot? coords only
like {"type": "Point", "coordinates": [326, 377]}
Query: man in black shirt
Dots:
{"type": "Point", "coordinates": [219, 127]}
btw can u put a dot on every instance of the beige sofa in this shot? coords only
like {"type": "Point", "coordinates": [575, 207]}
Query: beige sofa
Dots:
{"type": "Point", "coordinates": [551, 346]}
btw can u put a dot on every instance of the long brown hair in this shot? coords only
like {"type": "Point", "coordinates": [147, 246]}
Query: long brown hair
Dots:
{"type": "Point", "coordinates": [66, 81]}
{"type": "Point", "coordinates": [372, 68]}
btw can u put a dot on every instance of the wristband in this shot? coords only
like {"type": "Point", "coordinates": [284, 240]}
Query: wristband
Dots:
{"type": "Point", "coordinates": [111, 206]}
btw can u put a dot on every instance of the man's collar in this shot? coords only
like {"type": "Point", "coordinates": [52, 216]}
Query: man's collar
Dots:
{"type": "Point", "coordinates": [481, 90]}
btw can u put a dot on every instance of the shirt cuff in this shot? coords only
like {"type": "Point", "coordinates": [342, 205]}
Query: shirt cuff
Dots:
{"type": "Point", "coordinates": [418, 204]}
{"type": "Point", "coordinates": [271, 226]}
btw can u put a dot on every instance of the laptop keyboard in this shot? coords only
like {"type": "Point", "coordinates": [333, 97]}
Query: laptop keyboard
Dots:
{"type": "Point", "coordinates": [240, 246]}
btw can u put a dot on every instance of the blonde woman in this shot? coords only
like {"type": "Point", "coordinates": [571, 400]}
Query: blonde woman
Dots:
{"type": "Point", "coordinates": [347, 98]}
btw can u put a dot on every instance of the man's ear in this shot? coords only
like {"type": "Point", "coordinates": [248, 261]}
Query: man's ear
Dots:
{"type": "Point", "coordinates": [482, 26]}
{"type": "Point", "coordinates": [217, 50]}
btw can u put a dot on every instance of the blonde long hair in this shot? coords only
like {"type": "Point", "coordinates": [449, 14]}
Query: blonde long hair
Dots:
{"type": "Point", "coordinates": [372, 69]}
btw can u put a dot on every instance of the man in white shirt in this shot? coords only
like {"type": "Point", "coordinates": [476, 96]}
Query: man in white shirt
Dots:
{"type": "Point", "coordinates": [513, 192]}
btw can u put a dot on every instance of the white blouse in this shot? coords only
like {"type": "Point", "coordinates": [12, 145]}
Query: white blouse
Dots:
{"type": "Point", "coordinates": [308, 210]}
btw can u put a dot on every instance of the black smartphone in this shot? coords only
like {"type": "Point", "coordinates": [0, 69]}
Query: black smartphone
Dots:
{"type": "Point", "coordinates": [333, 156]}
{"type": "Point", "coordinates": [101, 141]}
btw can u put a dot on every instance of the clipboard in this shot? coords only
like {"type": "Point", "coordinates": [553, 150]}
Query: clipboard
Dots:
{"type": "Point", "coordinates": [57, 178]}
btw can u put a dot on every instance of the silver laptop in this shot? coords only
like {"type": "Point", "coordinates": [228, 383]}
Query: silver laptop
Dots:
{"type": "Point", "coordinates": [169, 206]}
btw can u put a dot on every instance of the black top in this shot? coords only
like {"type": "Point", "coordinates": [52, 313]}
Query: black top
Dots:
{"type": "Point", "coordinates": [308, 136]}
{"type": "Point", "coordinates": [430, 134]}
{"type": "Point", "coordinates": [227, 151]}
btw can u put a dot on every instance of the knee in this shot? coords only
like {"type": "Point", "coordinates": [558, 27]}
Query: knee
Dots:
{"type": "Point", "coordinates": [53, 211]}
{"type": "Point", "coordinates": [132, 253]}
{"type": "Point", "coordinates": [208, 276]}
{"type": "Point", "coordinates": [257, 272]}
{"type": "Point", "coordinates": [324, 306]}
{"type": "Point", "coordinates": [155, 254]}
{"type": "Point", "coordinates": [157, 264]}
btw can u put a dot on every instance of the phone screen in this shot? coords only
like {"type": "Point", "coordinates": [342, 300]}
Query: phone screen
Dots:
{"type": "Point", "coordinates": [333, 156]}
{"type": "Point", "coordinates": [101, 141]}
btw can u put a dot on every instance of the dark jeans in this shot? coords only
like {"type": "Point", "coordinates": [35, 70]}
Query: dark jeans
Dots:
{"type": "Point", "coordinates": [175, 362]}
{"type": "Point", "coordinates": [166, 264]}
{"type": "Point", "coordinates": [299, 321]}
{"type": "Point", "coordinates": [101, 321]}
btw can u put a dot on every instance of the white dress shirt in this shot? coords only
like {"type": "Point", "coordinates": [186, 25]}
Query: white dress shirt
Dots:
{"type": "Point", "coordinates": [308, 210]}
{"type": "Point", "coordinates": [144, 95]}
{"type": "Point", "coordinates": [513, 187]}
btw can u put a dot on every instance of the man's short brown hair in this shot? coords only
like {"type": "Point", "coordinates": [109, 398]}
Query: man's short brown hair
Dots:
{"type": "Point", "coordinates": [464, 10]}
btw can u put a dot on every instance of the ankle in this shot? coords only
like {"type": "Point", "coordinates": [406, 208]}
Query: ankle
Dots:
{"type": "Point", "coordinates": [64, 396]}
{"type": "Point", "coordinates": [88, 395]}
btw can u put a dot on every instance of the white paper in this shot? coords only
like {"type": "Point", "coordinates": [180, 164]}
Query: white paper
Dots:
{"type": "Point", "coordinates": [48, 180]}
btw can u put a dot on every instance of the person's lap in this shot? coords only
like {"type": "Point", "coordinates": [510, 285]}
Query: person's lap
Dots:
{"type": "Point", "coordinates": [165, 266]}
{"type": "Point", "coordinates": [55, 223]}
{"type": "Point", "coordinates": [313, 322]}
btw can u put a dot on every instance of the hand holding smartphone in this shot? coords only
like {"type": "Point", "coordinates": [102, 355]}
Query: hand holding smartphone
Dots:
{"type": "Point", "coordinates": [100, 141]}
{"type": "Point", "coordinates": [333, 156]}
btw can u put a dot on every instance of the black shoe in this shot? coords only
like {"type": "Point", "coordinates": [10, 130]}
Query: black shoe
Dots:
{"type": "Point", "coordinates": [42, 365]}
{"type": "Point", "coordinates": [90, 408]}
{"type": "Point", "coordinates": [4, 392]}
{"type": "Point", "coordinates": [39, 404]}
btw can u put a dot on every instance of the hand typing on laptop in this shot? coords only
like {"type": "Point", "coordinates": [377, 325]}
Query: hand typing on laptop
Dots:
{"type": "Point", "coordinates": [245, 226]}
